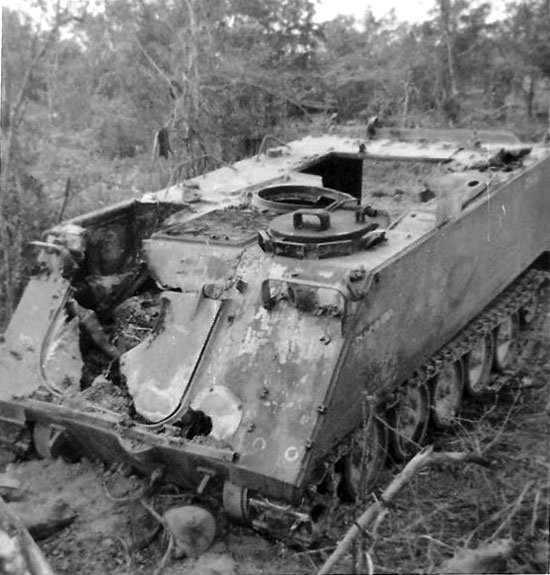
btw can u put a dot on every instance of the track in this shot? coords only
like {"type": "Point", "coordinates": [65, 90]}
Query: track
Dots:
{"type": "Point", "coordinates": [400, 426]}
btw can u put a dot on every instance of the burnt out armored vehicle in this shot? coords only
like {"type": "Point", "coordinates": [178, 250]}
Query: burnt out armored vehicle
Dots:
{"type": "Point", "coordinates": [266, 327]}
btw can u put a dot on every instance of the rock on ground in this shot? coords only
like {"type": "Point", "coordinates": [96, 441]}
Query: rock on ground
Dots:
{"type": "Point", "coordinates": [193, 529]}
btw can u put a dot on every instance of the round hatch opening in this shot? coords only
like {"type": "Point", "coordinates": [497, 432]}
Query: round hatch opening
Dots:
{"type": "Point", "coordinates": [289, 197]}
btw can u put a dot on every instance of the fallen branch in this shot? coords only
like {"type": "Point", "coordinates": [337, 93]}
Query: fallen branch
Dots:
{"type": "Point", "coordinates": [531, 532]}
{"type": "Point", "coordinates": [515, 508]}
{"type": "Point", "coordinates": [166, 556]}
{"type": "Point", "coordinates": [419, 461]}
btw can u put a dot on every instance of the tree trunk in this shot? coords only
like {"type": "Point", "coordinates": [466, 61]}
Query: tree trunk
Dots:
{"type": "Point", "coordinates": [192, 71]}
{"type": "Point", "coordinates": [530, 94]}
{"type": "Point", "coordinates": [5, 263]}
{"type": "Point", "coordinates": [53, 80]}
{"type": "Point", "coordinates": [450, 104]}
{"type": "Point", "coordinates": [6, 97]}
{"type": "Point", "coordinates": [445, 13]}
{"type": "Point", "coordinates": [406, 101]}
{"type": "Point", "coordinates": [9, 139]}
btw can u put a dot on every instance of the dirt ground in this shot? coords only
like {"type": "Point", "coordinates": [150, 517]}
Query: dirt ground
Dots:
{"type": "Point", "coordinates": [440, 511]}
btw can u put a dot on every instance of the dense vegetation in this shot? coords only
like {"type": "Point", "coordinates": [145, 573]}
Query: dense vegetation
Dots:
{"type": "Point", "coordinates": [87, 92]}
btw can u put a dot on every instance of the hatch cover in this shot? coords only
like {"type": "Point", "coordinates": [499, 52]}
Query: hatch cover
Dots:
{"type": "Point", "coordinates": [319, 233]}
{"type": "Point", "coordinates": [234, 226]}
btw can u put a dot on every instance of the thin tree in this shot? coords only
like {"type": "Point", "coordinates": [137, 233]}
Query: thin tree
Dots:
{"type": "Point", "coordinates": [450, 89]}
{"type": "Point", "coordinates": [40, 46]}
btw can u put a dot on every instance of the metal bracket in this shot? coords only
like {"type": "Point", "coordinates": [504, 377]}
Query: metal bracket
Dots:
{"type": "Point", "coordinates": [322, 215]}
{"type": "Point", "coordinates": [268, 301]}
{"type": "Point", "coordinates": [207, 475]}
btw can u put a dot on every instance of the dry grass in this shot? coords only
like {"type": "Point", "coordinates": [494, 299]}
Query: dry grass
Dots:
{"type": "Point", "coordinates": [451, 508]}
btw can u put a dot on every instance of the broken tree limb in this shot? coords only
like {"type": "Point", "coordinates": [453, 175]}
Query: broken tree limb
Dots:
{"type": "Point", "coordinates": [166, 556]}
{"type": "Point", "coordinates": [419, 461]}
{"type": "Point", "coordinates": [25, 551]}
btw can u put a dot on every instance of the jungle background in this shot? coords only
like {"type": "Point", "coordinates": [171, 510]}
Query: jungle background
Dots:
{"type": "Point", "coordinates": [87, 85]}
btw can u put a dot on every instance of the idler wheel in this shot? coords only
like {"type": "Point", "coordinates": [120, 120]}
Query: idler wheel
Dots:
{"type": "Point", "coordinates": [365, 461]}
{"type": "Point", "coordinates": [447, 390]}
{"type": "Point", "coordinates": [505, 336]}
{"type": "Point", "coordinates": [477, 364]}
{"type": "Point", "coordinates": [409, 421]}
{"type": "Point", "coordinates": [236, 503]}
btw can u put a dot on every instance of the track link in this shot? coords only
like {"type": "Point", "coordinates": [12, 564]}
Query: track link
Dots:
{"type": "Point", "coordinates": [517, 295]}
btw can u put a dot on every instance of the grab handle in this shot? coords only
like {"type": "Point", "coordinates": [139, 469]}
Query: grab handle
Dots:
{"type": "Point", "coordinates": [322, 215]}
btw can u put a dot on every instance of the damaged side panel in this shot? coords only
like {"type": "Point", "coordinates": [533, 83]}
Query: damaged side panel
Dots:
{"type": "Point", "coordinates": [24, 359]}
{"type": "Point", "coordinates": [279, 364]}
{"type": "Point", "coordinates": [156, 381]}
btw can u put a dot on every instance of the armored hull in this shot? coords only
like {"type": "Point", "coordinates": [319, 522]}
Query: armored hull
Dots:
{"type": "Point", "coordinates": [237, 329]}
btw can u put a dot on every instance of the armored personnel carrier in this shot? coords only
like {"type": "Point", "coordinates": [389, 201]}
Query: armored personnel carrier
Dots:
{"type": "Point", "coordinates": [259, 330]}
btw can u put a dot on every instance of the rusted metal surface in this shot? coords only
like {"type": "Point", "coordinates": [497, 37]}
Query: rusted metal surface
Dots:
{"type": "Point", "coordinates": [270, 341]}
{"type": "Point", "coordinates": [450, 276]}
{"type": "Point", "coordinates": [462, 136]}
{"type": "Point", "coordinates": [23, 357]}
{"type": "Point", "coordinates": [156, 382]}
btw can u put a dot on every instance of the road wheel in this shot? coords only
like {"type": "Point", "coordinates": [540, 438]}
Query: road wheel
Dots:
{"type": "Point", "coordinates": [477, 365]}
{"type": "Point", "coordinates": [409, 421]}
{"type": "Point", "coordinates": [505, 337]}
{"type": "Point", "coordinates": [447, 389]}
{"type": "Point", "coordinates": [365, 461]}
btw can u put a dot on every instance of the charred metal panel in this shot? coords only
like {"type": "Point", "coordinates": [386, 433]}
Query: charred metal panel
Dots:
{"type": "Point", "coordinates": [279, 363]}
{"type": "Point", "coordinates": [230, 226]}
{"type": "Point", "coordinates": [105, 215]}
{"type": "Point", "coordinates": [178, 265]}
{"type": "Point", "coordinates": [101, 435]}
{"type": "Point", "coordinates": [62, 361]}
{"type": "Point", "coordinates": [114, 233]}
{"type": "Point", "coordinates": [159, 369]}
{"type": "Point", "coordinates": [25, 341]}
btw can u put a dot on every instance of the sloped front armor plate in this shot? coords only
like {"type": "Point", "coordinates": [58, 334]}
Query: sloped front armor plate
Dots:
{"type": "Point", "coordinates": [159, 369]}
